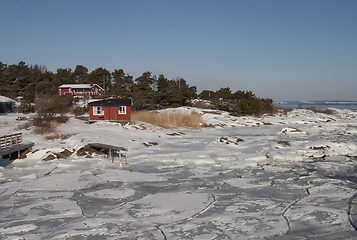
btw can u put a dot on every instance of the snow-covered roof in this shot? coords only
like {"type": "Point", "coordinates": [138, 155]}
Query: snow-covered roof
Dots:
{"type": "Point", "coordinates": [6, 99]}
{"type": "Point", "coordinates": [86, 86]}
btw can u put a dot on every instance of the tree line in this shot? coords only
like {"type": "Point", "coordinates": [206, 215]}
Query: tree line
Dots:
{"type": "Point", "coordinates": [148, 91]}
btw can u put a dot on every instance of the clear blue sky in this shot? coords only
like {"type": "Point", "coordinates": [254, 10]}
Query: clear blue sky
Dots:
{"type": "Point", "coordinates": [279, 49]}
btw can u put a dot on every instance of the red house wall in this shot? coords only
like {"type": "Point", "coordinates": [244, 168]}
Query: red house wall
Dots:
{"type": "Point", "coordinates": [96, 91]}
{"type": "Point", "coordinates": [111, 113]}
{"type": "Point", "coordinates": [64, 91]}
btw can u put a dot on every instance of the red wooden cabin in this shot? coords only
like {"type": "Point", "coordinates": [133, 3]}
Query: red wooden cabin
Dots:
{"type": "Point", "coordinates": [80, 90]}
{"type": "Point", "coordinates": [110, 110]}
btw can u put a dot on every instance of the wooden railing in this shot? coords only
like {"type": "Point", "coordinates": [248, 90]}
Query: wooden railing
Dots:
{"type": "Point", "coordinates": [10, 140]}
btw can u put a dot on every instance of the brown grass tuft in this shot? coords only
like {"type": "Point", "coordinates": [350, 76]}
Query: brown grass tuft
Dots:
{"type": "Point", "coordinates": [45, 128]}
{"type": "Point", "coordinates": [56, 135]}
{"type": "Point", "coordinates": [52, 136]}
{"type": "Point", "coordinates": [169, 119]}
{"type": "Point", "coordinates": [320, 110]}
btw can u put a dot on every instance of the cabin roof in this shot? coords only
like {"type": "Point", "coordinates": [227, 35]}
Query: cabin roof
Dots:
{"type": "Point", "coordinates": [111, 102]}
{"type": "Point", "coordinates": [84, 86]}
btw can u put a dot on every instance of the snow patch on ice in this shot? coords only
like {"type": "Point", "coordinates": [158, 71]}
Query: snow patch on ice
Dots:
{"type": "Point", "coordinates": [116, 175]}
{"type": "Point", "coordinates": [19, 229]}
{"type": "Point", "coordinates": [111, 194]}
{"type": "Point", "coordinates": [168, 207]}
{"type": "Point", "coordinates": [247, 183]}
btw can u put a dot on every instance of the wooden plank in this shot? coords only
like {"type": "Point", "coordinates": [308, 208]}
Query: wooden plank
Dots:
{"type": "Point", "coordinates": [15, 148]}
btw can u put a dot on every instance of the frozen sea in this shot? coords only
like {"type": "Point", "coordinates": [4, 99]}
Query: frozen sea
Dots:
{"type": "Point", "coordinates": [287, 176]}
{"type": "Point", "coordinates": [318, 104]}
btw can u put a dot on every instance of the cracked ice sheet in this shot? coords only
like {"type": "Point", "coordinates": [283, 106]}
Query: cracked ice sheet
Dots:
{"type": "Point", "coordinates": [42, 209]}
{"type": "Point", "coordinates": [80, 198]}
{"type": "Point", "coordinates": [323, 210]}
{"type": "Point", "coordinates": [63, 182]}
{"type": "Point", "coordinates": [231, 218]}
{"type": "Point", "coordinates": [117, 175]}
{"type": "Point", "coordinates": [164, 208]}
{"type": "Point", "coordinates": [27, 212]}
{"type": "Point", "coordinates": [140, 218]}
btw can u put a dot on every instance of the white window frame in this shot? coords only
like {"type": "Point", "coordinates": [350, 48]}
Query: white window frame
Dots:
{"type": "Point", "coordinates": [98, 110]}
{"type": "Point", "coordinates": [122, 110]}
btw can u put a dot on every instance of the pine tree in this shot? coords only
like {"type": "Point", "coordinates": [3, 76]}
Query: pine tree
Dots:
{"type": "Point", "coordinates": [100, 76]}
{"type": "Point", "coordinates": [80, 74]}
{"type": "Point", "coordinates": [122, 84]}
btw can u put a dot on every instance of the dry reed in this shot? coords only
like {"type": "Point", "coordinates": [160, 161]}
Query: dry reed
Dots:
{"type": "Point", "coordinates": [325, 111]}
{"type": "Point", "coordinates": [169, 119]}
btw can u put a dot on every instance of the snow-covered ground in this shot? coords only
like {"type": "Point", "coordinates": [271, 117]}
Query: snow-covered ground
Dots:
{"type": "Point", "coordinates": [287, 176]}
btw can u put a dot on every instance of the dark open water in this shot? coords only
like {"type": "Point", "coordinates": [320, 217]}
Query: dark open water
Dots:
{"type": "Point", "coordinates": [318, 104]}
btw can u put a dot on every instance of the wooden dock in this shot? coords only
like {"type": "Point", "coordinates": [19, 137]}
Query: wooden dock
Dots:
{"type": "Point", "coordinates": [111, 151]}
{"type": "Point", "coordinates": [10, 144]}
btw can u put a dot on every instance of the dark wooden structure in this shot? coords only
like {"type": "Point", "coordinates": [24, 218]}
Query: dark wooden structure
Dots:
{"type": "Point", "coordinates": [10, 144]}
{"type": "Point", "coordinates": [111, 151]}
